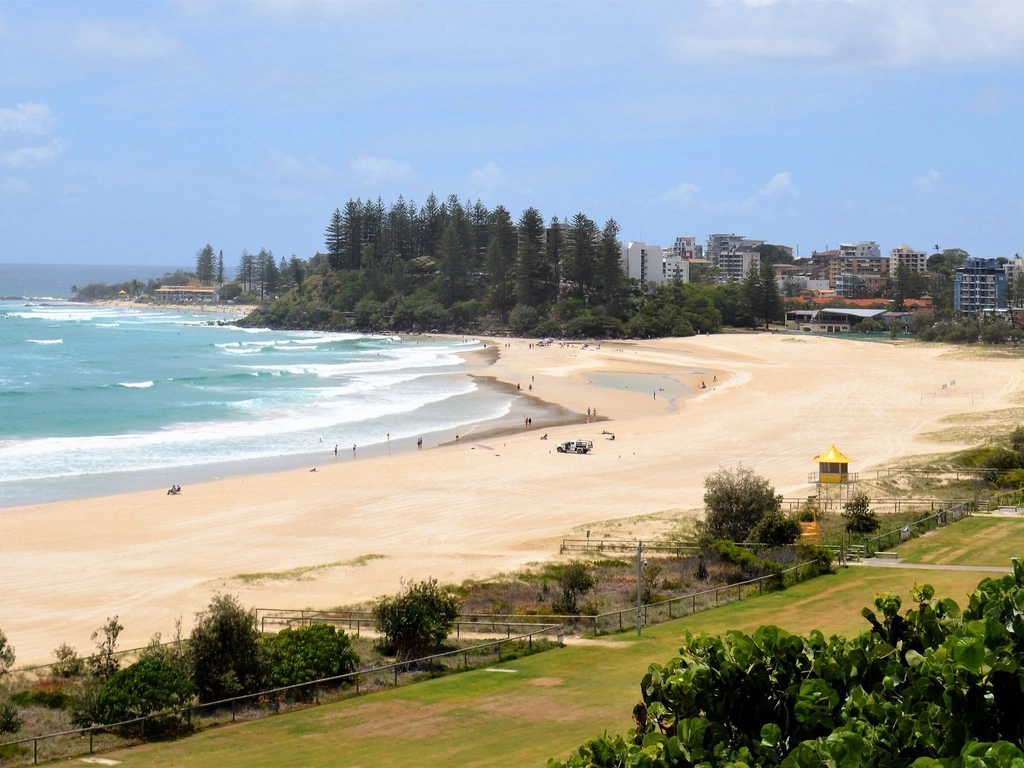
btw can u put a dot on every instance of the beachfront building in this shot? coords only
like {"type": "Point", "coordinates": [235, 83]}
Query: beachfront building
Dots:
{"type": "Point", "coordinates": [186, 293]}
{"type": "Point", "coordinates": [867, 249]}
{"type": "Point", "coordinates": [676, 268]}
{"type": "Point", "coordinates": [687, 248]}
{"type": "Point", "coordinates": [643, 262]}
{"type": "Point", "coordinates": [830, 319]}
{"type": "Point", "coordinates": [916, 261]}
{"type": "Point", "coordinates": [979, 285]}
{"type": "Point", "coordinates": [735, 262]}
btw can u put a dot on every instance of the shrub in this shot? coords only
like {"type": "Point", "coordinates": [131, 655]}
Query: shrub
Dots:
{"type": "Point", "coordinates": [294, 656]}
{"type": "Point", "coordinates": [573, 580]}
{"type": "Point", "coordinates": [68, 664]}
{"type": "Point", "coordinates": [523, 318]}
{"type": "Point", "coordinates": [416, 620]}
{"type": "Point", "coordinates": [10, 720]}
{"type": "Point", "coordinates": [104, 663]}
{"type": "Point", "coordinates": [774, 529]}
{"type": "Point", "coordinates": [547, 329]}
{"type": "Point", "coordinates": [935, 686]}
{"type": "Point", "coordinates": [44, 698]}
{"type": "Point", "coordinates": [859, 516]}
{"type": "Point", "coordinates": [736, 500]}
{"type": "Point", "coordinates": [6, 655]}
{"type": "Point", "coordinates": [223, 650]}
{"type": "Point", "coordinates": [146, 687]}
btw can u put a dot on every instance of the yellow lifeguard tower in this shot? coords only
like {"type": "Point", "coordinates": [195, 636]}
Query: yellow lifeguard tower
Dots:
{"type": "Point", "coordinates": [833, 471]}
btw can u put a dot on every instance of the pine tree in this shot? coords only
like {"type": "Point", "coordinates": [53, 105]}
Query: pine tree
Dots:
{"type": "Point", "coordinates": [753, 290]}
{"type": "Point", "coordinates": [530, 278]}
{"type": "Point", "coordinates": [452, 266]}
{"type": "Point", "coordinates": [555, 247]}
{"type": "Point", "coordinates": [581, 261]}
{"type": "Point", "coordinates": [479, 232]}
{"type": "Point", "coordinates": [220, 267]}
{"type": "Point", "coordinates": [610, 274]}
{"type": "Point", "coordinates": [352, 234]}
{"type": "Point", "coordinates": [432, 216]}
{"type": "Point", "coordinates": [334, 239]}
{"type": "Point", "coordinates": [771, 302]}
{"type": "Point", "coordinates": [205, 264]}
{"type": "Point", "coordinates": [501, 261]}
{"type": "Point", "coordinates": [246, 271]}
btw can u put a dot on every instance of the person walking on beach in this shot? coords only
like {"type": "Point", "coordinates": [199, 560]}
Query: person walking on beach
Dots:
{"type": "Point", "coordinates": [353, 451]}
{"type": "Point", "coordinates": [419, 444]}
{"type": "Point", "coordinates": [335, 449]}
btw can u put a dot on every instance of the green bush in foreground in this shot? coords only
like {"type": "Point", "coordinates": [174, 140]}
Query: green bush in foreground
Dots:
{"type": "Point", "coordinates": [417, 620]}
{"type": "Point", "coordinates": [935, 687]}
{"type": "Point", "coordinates": [146, 687]}
{"type": "Point", "coordinates": [294, 656]}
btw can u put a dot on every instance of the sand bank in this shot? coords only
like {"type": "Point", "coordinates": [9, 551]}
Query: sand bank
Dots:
{"type": "Point", "coordinates": [473, 509]}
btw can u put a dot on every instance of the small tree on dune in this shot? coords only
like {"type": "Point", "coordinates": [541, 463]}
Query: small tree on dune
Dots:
{"type": "Point", "coordinates": [736, 500]}
{"type": "Point", "coordinates": [416, 620]}
{"type": "Point", "coordinates": [860, 518]}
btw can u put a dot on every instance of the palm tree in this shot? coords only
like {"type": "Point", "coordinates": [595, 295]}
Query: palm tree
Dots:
{"type": "Point", "coordinates": [133, 288]}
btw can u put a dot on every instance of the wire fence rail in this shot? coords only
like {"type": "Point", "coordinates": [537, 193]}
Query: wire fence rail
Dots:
{"type": "Point", "coordinates": [252, 706]}
{"type": "Point", "coordinates": [895, 537]}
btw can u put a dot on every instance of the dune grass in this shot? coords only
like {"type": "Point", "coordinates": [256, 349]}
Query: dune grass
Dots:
{"type": "Point", "coordinates": [294, 574]}
{"type": "Point", "coordinates": [974, 541]}
{"type": "Point", "coordinates": [551, 703]}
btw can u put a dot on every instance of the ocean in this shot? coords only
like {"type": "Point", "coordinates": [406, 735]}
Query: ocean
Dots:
{"type": "Point", "coordinates": [97, 400]}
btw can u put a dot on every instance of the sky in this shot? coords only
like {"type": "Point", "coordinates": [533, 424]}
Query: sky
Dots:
{"type": "Point", "coordinates": [137, 132]}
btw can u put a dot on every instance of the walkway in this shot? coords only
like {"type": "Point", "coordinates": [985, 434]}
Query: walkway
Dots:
{"type": "Point", "coordinates": [874, 562]}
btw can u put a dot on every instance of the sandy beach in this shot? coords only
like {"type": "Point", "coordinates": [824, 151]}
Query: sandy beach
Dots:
{"type": "Point", "coordinates": [485, 505]}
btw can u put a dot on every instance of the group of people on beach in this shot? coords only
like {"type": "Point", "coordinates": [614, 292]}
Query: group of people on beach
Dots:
{"type": "Point", "coordinates": [174, 490]}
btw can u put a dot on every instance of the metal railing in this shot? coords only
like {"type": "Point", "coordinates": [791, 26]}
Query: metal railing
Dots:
{"type": "Point", "coordinates": [880, 505]}
{"type": "Point", "coordinates": [911, 530]}
{"type": "Point", "coordinates": [275, 700]}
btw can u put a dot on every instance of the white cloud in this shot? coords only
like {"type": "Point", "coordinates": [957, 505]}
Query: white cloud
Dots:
{"type": "Point", "coordinates": [492, 177]}
{"type": "Point", "coordinates": [284, 165]}
{"type": "Point", "coordinates": [779, 186]}
{"type": "Point", "coordinates": [331, 9]}
{"type": "Point", "coordinates": [893, 33]}
{"type": "Point", "coordinates": [680, 195]}
{"type": "Point", "coordinates": [929, 183]}
{"type": "Point", "coordinates": [27, 157]}
{"type": "Point", "coordinates": [31, 119]}
{"type": "Point", "coordinates": [373, 171]}
{"type": "Point", "coordinates": [122, 41]}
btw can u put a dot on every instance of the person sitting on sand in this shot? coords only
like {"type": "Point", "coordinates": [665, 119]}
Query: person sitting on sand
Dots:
{"type": "Point", "coordinates": [544, 436]}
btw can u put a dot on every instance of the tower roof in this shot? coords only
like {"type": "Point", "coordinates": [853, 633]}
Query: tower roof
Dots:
{"type": "Point", "coordinates": [832, 456]}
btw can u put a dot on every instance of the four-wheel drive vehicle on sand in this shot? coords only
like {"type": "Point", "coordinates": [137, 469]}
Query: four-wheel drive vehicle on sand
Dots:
{"type": "Point", "coordinates": [575, 446]}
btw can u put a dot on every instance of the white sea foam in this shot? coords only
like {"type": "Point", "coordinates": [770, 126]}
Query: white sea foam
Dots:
{"type": "Point", "coordinates": [135, 384]}
{"type": "Point", "coordinates": [45, 341]}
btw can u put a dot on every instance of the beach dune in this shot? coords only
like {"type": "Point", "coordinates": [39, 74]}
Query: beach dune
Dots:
{"type": "Point", "coordinates": [479, 507]}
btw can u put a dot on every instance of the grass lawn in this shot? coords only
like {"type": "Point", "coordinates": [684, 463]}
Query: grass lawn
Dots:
{"type": "Point", "coordinates": [974, 541]}
{"type": "Point", "coordinates": [551, 703]}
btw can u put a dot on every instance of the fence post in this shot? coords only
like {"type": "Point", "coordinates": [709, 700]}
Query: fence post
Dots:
{"type": "Point", "coordinates": [396, 675]}
{"type": "Point", "coordinates": [620, 621]}
{"type": "Point", "coordinates": [90, 742]}
{"type": "Point", "coordinates": [316, 692]}
{"type": "Point", "coordinates": [35, 751]}
{"type": "Point", "coordinates": [499, 651]}
{"type": "Point", "coordinates": [693, 608]}
{"type": "Point", "coordinates": [357, 685]}
{"type": "Point", "coordinates": [232, 710]}
{"type": "Point", "coordinates": [595, 625]}
{"type": "Point", "coordinates": [465, 659]}
{"type": "Point", "coordinates": [531, 642]}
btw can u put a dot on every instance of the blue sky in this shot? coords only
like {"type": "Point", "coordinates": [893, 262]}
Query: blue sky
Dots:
{"type": "Point", "coordinates": [136, 132]}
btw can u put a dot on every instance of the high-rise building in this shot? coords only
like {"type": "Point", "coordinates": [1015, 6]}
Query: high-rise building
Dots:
{"type": "Point", "coordinates": [719, 244]}
{"type": "Point", "coordinates": [687, 248]}
{"type": "Point", "coordinates": [735, 262]}
{"type": "Point", "coordinates": [916, 261]}
{"type": "Point", "coordinates": [676, 268]}
{"type": "Point", "coordinates": [641, 261]}
{"type": "Point", "coordinates": [980, 284]}
{"type": "Point", "coordinates": [864, 250]}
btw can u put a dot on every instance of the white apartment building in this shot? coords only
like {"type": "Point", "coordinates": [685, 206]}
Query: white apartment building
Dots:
{"type": "Point", "coordinates": [676, 268]}
{"type": "Point", "coordinates": [687, 248]}
{"type": "Point", "coordinates": [916, 261]}
{"type": "Point", "coordinates": [735, 263]}
{"type": "Point", "coordinates": [863, 250]}
{"type": "Point", "coordinates": [641, 261]}
{"type": "Point", "coordinates": [719, 244]}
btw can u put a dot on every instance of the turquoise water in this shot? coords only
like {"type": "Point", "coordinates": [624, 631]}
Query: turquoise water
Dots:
{"type": "Point", "coordinates": [667, 388]}
{"type": "Point", "coordinates": [102, 400]}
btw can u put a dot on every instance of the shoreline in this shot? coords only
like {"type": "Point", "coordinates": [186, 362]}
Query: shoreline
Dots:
{"type": "Point", "coordinates": [489, 504]}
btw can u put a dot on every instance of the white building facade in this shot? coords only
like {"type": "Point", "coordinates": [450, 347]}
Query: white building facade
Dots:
{"type": "Point", "coordinates": [676, 268]}
{"type": "Point", "coordinates": [867, 249]}
{"type": "Point", "coordinates": [916, 261]}
{"type": "Point", "coordinates": [687, 248]}
{"type": "Point", "coordinates": [641, 261]}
